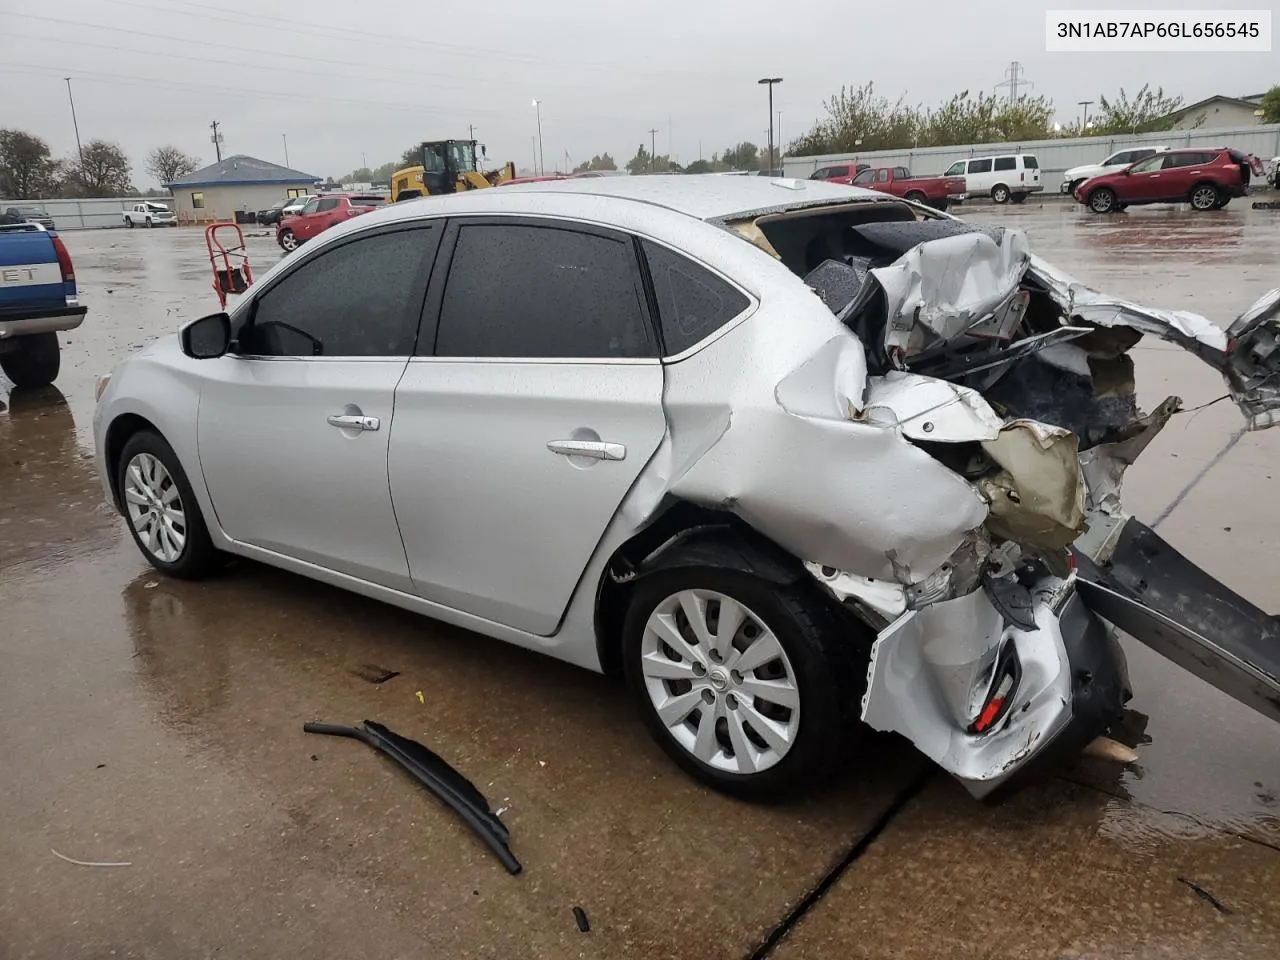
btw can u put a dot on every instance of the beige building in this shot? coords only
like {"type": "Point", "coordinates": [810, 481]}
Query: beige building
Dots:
{"type": "Point", "coordinates": [1218, 112]}
{"type": "Point", "coordinates": [234, 185]}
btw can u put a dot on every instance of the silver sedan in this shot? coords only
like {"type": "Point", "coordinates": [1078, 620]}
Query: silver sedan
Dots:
{"type": "Point", "coordinates": [735, 438]}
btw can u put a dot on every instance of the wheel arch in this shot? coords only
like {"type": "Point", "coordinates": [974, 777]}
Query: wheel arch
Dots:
{"type": "Point", "coordinates": [682, 534]}
{"type": "Point", "coordinates": [1205, 182]}
{"type": "Point", "coordinates": [118, 433]}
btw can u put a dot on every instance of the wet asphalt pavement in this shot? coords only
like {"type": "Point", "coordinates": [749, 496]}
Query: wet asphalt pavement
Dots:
{"type": "Point", "coordinates": [158, 723]}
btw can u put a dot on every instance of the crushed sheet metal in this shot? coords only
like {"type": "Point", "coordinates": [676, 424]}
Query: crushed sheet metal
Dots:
{"type": "Point", "coordinates": [924, 670]}
{"type": "Point", "coordinates": [948, 285]}
{"type": "Point", "coordinates": [1038, 498]}
{"type": "Point", "coordinates": [926, 408]}
{"type": "Point", "coordinates": [832, 383]}
{"type": "Point", "coordinates": [1105, 464]}
{"type": "Point", "coordinates": [883, 597]}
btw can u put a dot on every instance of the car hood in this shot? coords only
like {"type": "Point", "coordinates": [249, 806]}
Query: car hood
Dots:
{"type": "Point", "coordinates": [1086, 170]}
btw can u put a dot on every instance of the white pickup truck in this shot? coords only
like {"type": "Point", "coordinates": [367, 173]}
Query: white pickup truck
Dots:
{"type": "Point", "coordinates": [150, 214]}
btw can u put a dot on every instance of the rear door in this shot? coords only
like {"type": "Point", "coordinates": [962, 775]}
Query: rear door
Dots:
{"type": "Point", "coordinates": [293, 429]}
{"type": "Point", "coordinates": [519, 435]}
{"type": "Point", "coordinates": [1031, 167]}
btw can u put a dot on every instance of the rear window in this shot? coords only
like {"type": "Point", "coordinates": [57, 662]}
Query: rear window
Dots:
{"type": "Point", "coordinates": [329, 203]}
{"type": "Point", "coordinates": [1006, 163]}
{"type": "Point", "coordinates": [1030, 162]}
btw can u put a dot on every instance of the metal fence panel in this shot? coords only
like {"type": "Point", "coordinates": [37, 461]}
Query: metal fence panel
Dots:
{"type": "Point", "coordinates": [87, 214]}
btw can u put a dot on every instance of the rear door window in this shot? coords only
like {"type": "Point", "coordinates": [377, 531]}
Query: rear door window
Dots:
{"type": "Point", "coordinates": [692, 301]}
{"type": "Point", "coordinates": [358, 299]}
{"type": "Point", "coordinates": [980, 166]}
{"type": "Point", "coordinates": [542, 291]}
{"type": "Point", "coordinates": [901, 173]}
{"type": "Point", "coordinates": [882, 175]}
{"type": "Point", "coordinates": [329, 203]}
{"type": "Point", "coordinates": [1006, 163]}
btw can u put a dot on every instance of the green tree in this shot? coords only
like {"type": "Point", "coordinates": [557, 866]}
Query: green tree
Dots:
{"type": "Point", "coordinates": [103, 171]}
{"type": "Point", "coordinates": [700, 166]}
{"type": "Point", "coordinates": [27, 169]}
{"type": "Point", "coordinates": [1271, 105]}
{"type": "Point", "coordinates": [641, 162]}
{"type": "Point", "coordinates": [601, 161]}
{"type": "Point", "coordinates": [1148, 111]}
{"type": "Point", "coordinates": [742, 156]}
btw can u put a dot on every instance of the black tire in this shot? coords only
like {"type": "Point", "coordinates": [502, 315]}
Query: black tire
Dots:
{"type": "Point", "coordinates": [915, 196]}
{"type": "Point", "coordinates": [1102, 200]}
{"type": "Point", "coordinates": [198, 558]}
{"type": "Point", "coordinates": [33, 360]}
{"type": "Point", "coordinates": [828, 657]}
{"type": "Point", "coordinates": [1222, 203]}
{"type": "Point", "coordinates": [288, 242]}
{"type": "Point", "coordinates": [1000, 193]}
{"type": "Point", "coordinates": [149, 223]}
{"type": "Point", "coordinates": [1018, 197]}
{"type": "Point", "coordinates": [129, 222]}
{"type": "Point", "coordinates": [1203, 197]}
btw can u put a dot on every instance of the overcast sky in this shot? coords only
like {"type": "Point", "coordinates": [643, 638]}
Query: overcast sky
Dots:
{"type": "Point", "coordinates": [347, 80]}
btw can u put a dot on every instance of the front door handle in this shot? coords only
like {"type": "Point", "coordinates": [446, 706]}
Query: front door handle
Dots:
{"type": "Point", "coordinates": [347, 422]}
{"type": "Point", "coordinates": [595, 449]}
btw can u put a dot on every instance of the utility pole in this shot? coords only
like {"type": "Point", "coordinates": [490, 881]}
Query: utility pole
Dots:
{"type": "Point", "coordinates": [1084, 124]}
{"type": "Point", "coordinates": [779, 138]}
{"type": "Point", "coordinates": [471, 131]}
{"type": "Point", "coordinates": [1014, 78]}
{"type": "Point", "coordinates": [653, 133]}
{"type": "Point", "coordinates": [74, 124]}
{"type": "Point", "coordinates": [537, 105]}
{"type": "Point", "coordinates": [769, 82]}
{"type": "Point", "coordinates": [533, 142]}
{"type": "Point", "coordinates": [216, 140]}
{"type": "Point", "coordinates": [285, 139]}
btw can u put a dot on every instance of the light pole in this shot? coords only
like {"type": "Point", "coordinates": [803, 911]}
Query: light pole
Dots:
{"type": "Point", "coordinates": [537, 105]}
{"type": "Point", "coordinates": [284, 138]}
{"type": "Point", "coordinates": [769, 82]}
{"type": "Point", "coordinates": [1085, 122]}
{"type": "Point", "coordinates": [74, 124]}
{"type": "Point", "coordinates": [652, 148]}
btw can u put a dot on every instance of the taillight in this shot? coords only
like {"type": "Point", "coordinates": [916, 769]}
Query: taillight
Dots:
{"type": "Point", "coordinates": [1004, 685]}
{"type": "Point", "coordinates": [64, 260]}
{"type": "Point", "coordinates": [1022, 177]}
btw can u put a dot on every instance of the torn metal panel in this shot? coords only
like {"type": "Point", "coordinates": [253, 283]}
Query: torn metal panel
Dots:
{"type": "Point", "coordinates": [925, 408]}
{"type": "Point", "coordinates": [1037, 499]}
{"type": "Point", "coordinates": [930, 668]}
{"type": "Point", "coordinates": [944, 287]}
{"type": "Point", "coordinates": [1104, 466]}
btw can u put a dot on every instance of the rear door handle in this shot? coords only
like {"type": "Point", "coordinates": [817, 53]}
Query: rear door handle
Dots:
{"type": "Point", "coordinates": [347, 422]}
{"type": "Point", "coordinates": [595, 449]}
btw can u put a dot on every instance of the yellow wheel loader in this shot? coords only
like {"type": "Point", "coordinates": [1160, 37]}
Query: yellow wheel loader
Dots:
{"type": "Point", "coordinates": [447, 167]}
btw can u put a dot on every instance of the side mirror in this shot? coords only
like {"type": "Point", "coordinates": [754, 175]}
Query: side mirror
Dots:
{"type": "Point", "coordinates": [207, 338]}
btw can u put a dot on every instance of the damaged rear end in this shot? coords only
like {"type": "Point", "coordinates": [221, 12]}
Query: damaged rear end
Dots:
{"type": "Point", "coordinates": [1017, 379]}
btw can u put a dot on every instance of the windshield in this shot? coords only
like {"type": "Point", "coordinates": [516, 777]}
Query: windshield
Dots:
{"type": "Point", "coordinates": [463, 155]}
{"type": "Point", "coordinates": [31, 211]}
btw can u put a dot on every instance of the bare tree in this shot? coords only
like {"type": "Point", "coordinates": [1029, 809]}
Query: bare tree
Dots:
{"type": "Point", "coordinates": [27, 170]}
{"type": "Point", "coordinates": [168, 163]}
{"type": "Point", "coordinates": [104, 171]}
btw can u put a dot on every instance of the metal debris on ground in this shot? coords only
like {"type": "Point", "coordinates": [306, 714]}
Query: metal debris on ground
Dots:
{"type": "Point", "coordinates": [91, 863]}
{"type": "Point", "coordinates": [1206, 896]}
{"type": "Point", "coordinates": [372, 673]}
{"type": "Point", "coordinates": [434, 773]}
{"type": "Point", "coordinates": [580, 916]}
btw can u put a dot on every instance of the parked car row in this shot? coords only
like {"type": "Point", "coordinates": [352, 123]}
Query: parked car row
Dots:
{"type": "Point", "coordinates": [1007, 178]}
{"type": "Point", "coordinates": [26, 213]}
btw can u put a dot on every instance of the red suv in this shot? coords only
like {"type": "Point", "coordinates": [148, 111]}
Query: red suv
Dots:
{"type": "Point", "coordinates": [1206, 179]}
{"type": "Point", "coordinates": [320, 214]}
{"type": "Point", "coordinates": [839, 172]}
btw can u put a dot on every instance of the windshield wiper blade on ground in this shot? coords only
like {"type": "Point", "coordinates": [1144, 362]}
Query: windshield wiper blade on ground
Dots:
{"type": "Point", "coordinates": [434, 773]}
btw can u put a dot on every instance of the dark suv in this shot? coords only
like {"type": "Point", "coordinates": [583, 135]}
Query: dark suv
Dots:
{"type": "Point", "coordinates": [1206, 179]}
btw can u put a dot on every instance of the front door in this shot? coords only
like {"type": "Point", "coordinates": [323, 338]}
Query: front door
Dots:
{"type": "Point", "coordinates": [293, 428]}
{"type": "Point", "coordinates": [1148, 180]}
{"type": "Point", "coordinates": [515, 442]}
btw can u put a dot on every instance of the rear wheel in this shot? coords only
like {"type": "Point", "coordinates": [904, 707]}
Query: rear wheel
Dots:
{"type": "Point", "coordinates": [288, 241]}
{"type": "Point", "coordinates": [1017, 197]}
{"type": "Point", "coordinates": [746, 685]}
{"type": "Point", "coordinates": [32, 360]}
{"type": "Point", "coordinates": [1222, 202]}
{"type": "Point", "coordinates": [1204, 197]}
{"type": "Point", "coordinates": [160, 506]}
{"type": "Point", "coordinates": [1000, 193]}
{"type": "Point", "coordinates": [1102, 200]}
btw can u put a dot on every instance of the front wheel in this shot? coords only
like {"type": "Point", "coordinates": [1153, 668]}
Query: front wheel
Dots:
{"type": "Point", "coordinates": [1102, 200]}
{"type": "Point", "coordinates": [160, 506]}
{"type": "Point", "coordinates": [288, 241]}
{"type": "Point", "coordinates": [149, 223]}
{"type": "Point", "coordinates": [128, 222]}
{"type": "Point", "coordinates": [1000, 193]}
{"type": "Point", "coordinates": [1204, 197]}
{"type": "Point", "coordinates": [915, 196]}
{"type": "Point", "coordinates": [32, 360]}
{"type": "Point", "coordinates": [750, 687]}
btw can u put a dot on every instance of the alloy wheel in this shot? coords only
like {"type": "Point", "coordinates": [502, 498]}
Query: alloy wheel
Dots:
{"type": "Point", "coordinates": [1101, 201]}
{"type": "Point", "coordinates": [288, 240]}
{"type": "Point", "coordinates": [1204, 198]}
{"type": "Point", "coordinates": [155, 508]}
{"type": "Point", "coordinates": [720, 681]}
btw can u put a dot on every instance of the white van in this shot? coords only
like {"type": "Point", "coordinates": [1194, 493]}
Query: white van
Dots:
{"type": "Point", "coordinates": [1004, 178]}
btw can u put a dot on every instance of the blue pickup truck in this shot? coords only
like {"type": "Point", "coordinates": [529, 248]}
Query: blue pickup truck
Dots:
{"type": "Point", "coordinates": [37, 299]}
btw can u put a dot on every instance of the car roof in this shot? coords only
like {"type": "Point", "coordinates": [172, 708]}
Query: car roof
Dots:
{"type": "Point", "coordinates": [703, 196]}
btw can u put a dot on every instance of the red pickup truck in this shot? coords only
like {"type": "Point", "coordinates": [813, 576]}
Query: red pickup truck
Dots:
{"type": "Point", "coordinates": [937, 192]}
